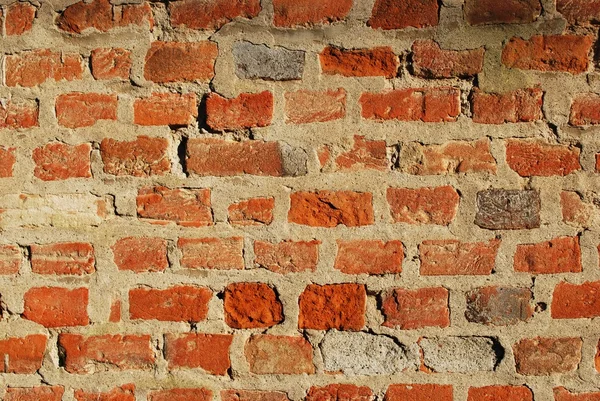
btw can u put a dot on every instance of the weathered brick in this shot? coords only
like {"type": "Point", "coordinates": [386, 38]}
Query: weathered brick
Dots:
{"type": "Point", "coordinates": [423, 205]}
{"type": "Point", "coordinates": [568, 53]}
{"type": "Point", "coordinates": [209, 352]}
{"type": "Point", "coordinates": [212, 253]}
{"type": "Point", "coordinates": [419, 392]}
{"type": "Point", "coordinates": [174, 304]}
{"type": "Point", "coordinates": [18, 114]}
{"type": "Point", "coordinates": [181, 394]}
{"type": "Point", "coordinates": [504, 209]}
{"type": "Point", "coordinates": [580, 12]}
{"type": "Point", "coordinates": [452, 257]}
{"type": "Point", "coordinates": [424, 104]}
{"type": "Point", "coordinates": [171, 109]}
{"type": "Point", "coordinates": [340, 392]}
{"type": "Point", "coordinates": [500, 393]}
{"type": "Point", "coordinates": [7, 161]}
{"type": "Point", "coordinates": [40, 393]}
{"type": "Point", "coordinates": [287, 256]}
{"type": "Point", "coordinates": [306, 106]}
{"type": "Point", "coordinates": [248, 110]}
{"type": "Point", "coordinates": [538, 158]}
{"type": "Point", "coordinates": [574, 210]}
{"type": "Point", "coordinates": [125, 392]}
{"type": "Point", "coordinates": [10, 259]}
{"type": "Point", "coordinates": [102, 16]}
{"type": "Point", "coordinates": [142, 157]}
{"type": "Point", "coordinates": [415, 309]}
{"type": "Point", "coordinates": [32, 68]}
{"type": "Point", "coordinates": [111, 63]}
{"type": "Point", "coordinates": [597, 358]}
{"type": "Point", "coordinates": [59, 161]}
{"type": "Point", "coordinates": [585, 110]}
{"type": "Point", "coordinates": [375, 62]}
{"type": "Point", "coordinates": [75, 258]}
{"type": "Point", "coordinates": [460, 354]}
{"type": "Point", "coordinates": [429, 60]}
{"type": "Point", "coordinates": [253, 395]}
{"type": "Point", "coordinates": [211, 14]}
{"type": "Point", "coordinates": [186, 207]}
{"type": "Point", "coordinates": [76, 110]}
{"type": "Point", "coordinates": [331, 208]}
{"type": "Point", "coordinates": [115, 311]}
{"type": "Point", "coordinates": [258, 61]}
{"type": "Point", "coordinates": [268, 354]}
{"type": "Point", "coordinates": [499, 306]}
{"type": "Point", "coordinates": [251, 305]}
{"type": "Point", "coordinates": [478, 12]}
{"type": "Point", "coordinates": [141, 254]}
{"type": "Point", "coordinates": [19, 18]}
{"type": "Point", "coordinates": [289, 13]}
{"type": "Point", "coordinates": [89, 354]}
{"type": "Point", "coordinates": [572, 301]}
{"type": "Point", "coordinates": [22, 355]}
{"type": "Point", "coordinates": [521, 105]}
{"type": "Point", "coordinates": [545, 356]}
{"type": "Point", "coordinates": [56, 306]}
{"type": "Point", "coordinates": [392, 14]}
{"type": "Point", "coordinates": [369, 257]}
{"type": "Point", "coordinates": [562, 394]}
{"type": "Point", "coordinates": [332, 306]}
{"type": "Point", "coordinates": [559, 255]}
{"type": "Point", "coordinates": [180, 62]}
{"type": "Point", "coordinates": [252, 212]}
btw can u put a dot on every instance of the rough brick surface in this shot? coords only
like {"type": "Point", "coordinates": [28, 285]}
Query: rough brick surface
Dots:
{"type": "Point", "coordinates": [125, 392]}
{"type": "Point", "coordinates": [141, 157]}
{"type": "Point", "coordinates": [56, 306]}
{"type": "Point", "coordinates": [376, 62]}
{"type": "Point", "coordinates": [210, 14]}
{"type": "Point", "coordinates": [180, 62]}
{"type": "Point", "coordinates": [521, 105]}
{"type": "Point", "coordinates": [18, 114]}
{"type": "Point", "coordinates": [315, 106]}
{"type": "Point", "coordinates": [431, 61]}
{"type": "Point", "coordinates": [579, 11]}
{"type": "Point", "coordinates": [41, 393]}
{"type": "Point", "coordinates": [269, 354]}
{"type": "Point", "coordinates": [571, 301]}
{"type": "Point", "coordinates": [181, 394]}
{"type": "Point", "coordinates": [22, 355]}
{"type": "Point", "coordinates": [7, 161]}
{"type": "Point", "coordinates": [59, 161]}
{"type": "Point", "coordinates": [174, 304]}
{"type": "Point", "coordinates": [253, 395]}
{"type": "Point", "coordinates": [499, 209]}
{"type": "Point", "coordinates": [166, 109]}
{"type": "Point", "coordinates": [101, 15]}
{"type": "Point", "coordinates": [32, 68]}
{"type": "Point", "coordinates": [289, 13]}
{"type": "Point", "coordinates": [562, 394]}
{"type": "Point", "coordinates": [418, 392]}
{"type": "Point", "coordinates": [452, 257]}
{"type": "Point", "coordinates": [423, 205]}
{"type": "Point", "coordinates": [212, 253]}
{"type": "Point", "coordinates": [338, 392]}
{"type": "Point", "coordinates": [74, 258]}
{"type": "Point", "coordinates": [364, 155]}
{"type": "Point", "coordinates": [10, 259]}
{"type": "Point", "coordinates": [209, 352]}
{"type": "Point", "coordinates": [186, 207]}
{"type": "Point", "coordinates": [391, 14]}
{"type": "Point", "coordinates": [335, 306]}
{"type": "Point", "coordinates": [331, 208]}
{"type": "Point", "coordinates": [499, 306]}
{"type": "Point", "coordinates": [459, 354]}
{"type": "Point", "coordinates": [259, 61]}
{"type": "Point", "coordinates": [529, 158]}
{"type": "Point", "coordinates": [500, 393]}
{"type": "Point", "coordinates": [19, 18]}
{"type": "Point", "coordinates": [559, 255]}
{"type": "Point", "coordinates": [369, 257]}
{"type": "Point", "coordinates": [251, 305]}
{"type": "Point", "coordinates": [584, 110]}
{"type": "Point", "coordinates": [77, 110]}
{"type": "Point", "coordinates": [248, 110]}
{"type": "Point", "coordinates": [478, 12]}
{"type": "Point", "coordinates": [544, 356]}
{"type": "Point", "coordinates": [287, 256]}
{"type": "Point", "coordinates": [415, 309]}
{"type": "Point", "coordinates": [111, 63]}
{"type": "Point", "coordinates": [252, 212]}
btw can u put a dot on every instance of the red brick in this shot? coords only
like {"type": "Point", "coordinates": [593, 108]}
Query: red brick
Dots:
{"type": "Point", "coordinates": [41, 393]}
{"type": "Point", "coordinates": [212, 14]}
{"type": "Point", "coordinates": [56, 306]}
{"type": "Point", "coordinates": [75, 258]}
{"type": "Point", "coordinates": [568, 53]}
{"type": "Point", "coordinates": [597, 358]}
{"type": "Point", "coordinates": [429, 60]}
{"type": "Point", "coordinates": [76, 110]}
{"type": "Point", "coordinates": [102, 16]}
{"type": "Point", "coordinates": [10, 259]}
{"type": "Point", "coordinates": [19, 18]}
{"type": "Point", "coordinates": [306, 106]}
{"type": "Point", "coordinates": [115, 311]}
{"type": "Point", "coordinates": [209, 352]}
{"type": "Point", "coordinates": [19, 114]}
{"type": "Point", "coordinates": [142, 157]}
{"type": "Point", "coordinates": [174, 304]}
{"type": "Point", "coordinates": [248, 110]}
{"type": "Point", "coordinates": [340, 392]}
{"type": "Point", "coordinates": [562, 394]}
{"type": "Point", "coordinates": [375, 62]}
{"type": "Point", "coordinates": [181, 394]}
{"type": "Point", "coordinates": [212, 253]}
{"type": "Point", "coordinates": [331, 208]}
{"type": "Point", "coordinates": [451, 257]}
{"type": "Point", "coordinates": [181, 62]}
{"type": "Point", "coordinates": [423, 205]}
{"type": "Point", "coordinates": [585, 110]}
{"type": "Point", "coordinates": [415, 309]}
{"type": "Point", "coordinates": [289, 13]}
{"type": "Point", "coordinates": [521, 105]}
{"type": "Point", "coordinates": [217, 157]}
{"type": "Point", "coordinates": [125, 392]}
{"type": "Point", "coordinates": [253, 395]}
{"type": "Point", "coordinates": [580, 12]}
{"type": "Point", "coordinates": [544, 356]}
{"type": "Point", "coordinates": [426, 104]}
{"type": "Point", "coordinates": [332, 306]}
{"type": "Point", "coordinates": [7, 161]}
{"type": "Point", "coordinates": [111, 63]}
{"type": "Point", "coordinates": [365, 154]}
{"type": "Point", "coordinates": [287, 256]}
{"type": "Point", "coordinates": [252, 212]}
{"type": "Point", "coordinates": [559, 255]}
{"type": "Point", "coordinates": [450, 157]}
{"type": "Point", "coordinates": [369, 257]}
{"type": "Point", "coordinates": [251, 305]}
{"type": "Point", "coordinates": [141, 254]}
{"type": "Point", "coordinates": [89, 354]}
{"type": "Point", "coordinates": [572, 301]}
{"type": "Point", "coordinates": [500, 393]}
{"type": "Point", "coordinates": [499, 306]}
{"type": "Point", "coordinates": [186, 207]}
{"type": "Point", "coordinates": [32, 68]}
{"type": "Point", "coordinates": [419, 392]}
{"type": "Point", "coordinates": [478, 12]}
{"type": "Point", "coordinates": [538, 158]}
{"type": "Point", "coordinates": [22, 355]}
{"type": "Point", "coordinates": [59, 161]}
{"type": "Point", "coordinates": [268, 354]}
{"type": "Point", "coordinates": [575, 210]}
{"type": "Point", "coordinates": [172, 109]}
{"type": "Point", "coordinates": [393, 14]}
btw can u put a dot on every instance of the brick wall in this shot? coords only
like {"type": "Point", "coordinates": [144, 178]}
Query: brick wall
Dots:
{"type": "Point", "coordinates": [287, 200]}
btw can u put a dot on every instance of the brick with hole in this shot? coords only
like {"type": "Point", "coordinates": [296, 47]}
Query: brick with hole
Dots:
{"type": "Point", "coordinates": [408, 309]}
{"type": "Point", "coordinates": [102, 16]}
{"type": "Point", "coordinates": [10, 259]}
{"type": "Point", "coordinates": [539, 158]}
{"type": "Point", "coordinates": [269, 354]}
{"type": "Point", "coordinates": [142, 157]}
{"type": "Point", "coordinates": [364, 155]}
{"type": "Point", "coordinates": [251, 306]}
{"type": "Point", "coordinates": [141, 254]}
{"type": "Point", "coordinates": [500, 393]}
{"type": "Point", "coordinates": [108, 352]}
{"type": "Point", "coordinates": [508, 209]}
{"type": "Point", "coordinates": [39, 393]}
{"type": "Point", "coordinates": [429, 60]}
{"type": "Point", "coordinates": [584, 110]}
{"type": "Point", "coordinates": [579, 12]}
{"type": "Point", "coordinates": [125, 392]}
{"type": "Point", "coordinates": [339, 392]}
{"type": "Point", "coordinates": [186, 207]}
{"type": "Point", "coordinates": [253, 395]}
{"type": "Point", "coordinates": [291, 13]}
{"type": "Point", "coordinates": [7, 161]}
{"type": "Point", "coordinates": [180, 62]}
{"type": "Point", "coordinates": [435, 206]}
{"type": "Point", "coordinates": [544, 356]}
{"type": "Point", "coordinates": [111, 63]}
{"type": "Point", "coordinates": [181, 394]}
{"type": "Point", "coordinates": [374, 62]}
{"type": "Point", "coordinates": [419, 392]}
{"type": "Point", "coordinates": [211, 14]}
{"type": "Point", "coordinates": [251, 212]}
{"type": "Point", "coordinates": [34, 67]}
{"type": "Point", "coordinates": [287, 256]}
{"type": "Point", "coordinates": [517, 106]}
{"type": "Point", "coordinates": [65, 258]}
{"type": "Point", "coordinates": [209, 352]}
{"type": "Point", "coordinates": [559, 255]}
{"type": "Point", "coordinates": [481, 12]}
{"type": "Point", "coordinates": [562, 394]}
{"type": "Point", "coordinates": [59, 161]}
{"type": "Point", "coordinates": [182, 303]}
{"type": "Point", "coordinates": [374, 257]}
{"type": "Point", "coordinates": [172, 109]}
{"type": "Point", "coordinates": [575, 210]}
{"type": "Point", "coordinates": [22, 355]}
{"type": "Point", "coordinates": [212, 253]}
{"type": "Point", "coordinates": [248, 110]}
{"type": "Point", "coordinates": [56, 306]}
{"type": "Point", "coordinates": [332, 306]}
{"type": "Point", "coordinates": [19, 114]}
{"type": "Point", "coordinates": [331, 208]}
{"type": "Point", "coordinates": [392, 14]}
{"type": "Point", "coordinates": [78, 110]}
{"type": "Point", "coordinates": [308, 106]}
{"type": "Point", "coordinates": [499, 306]}
{"type": "Point", "coordinates": [576, 301]}
{"type": "Point", "coordinates": [19, 18]}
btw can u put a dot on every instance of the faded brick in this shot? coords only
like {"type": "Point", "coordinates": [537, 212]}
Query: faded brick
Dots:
{"type": "Point", "coordinates": [365, 154]}
{"type": "Point", "coordinates": [268, 354]}
{"type": "Point", "coordinates": [499, 306]}
{"type": "Point", "coordinates": [369, 257]}
{"type": "Point", "coordinates": [287, 256]}
{"type": "Point", "coordinates": [252, 212]}
{"type": "Point", "coordinates": [460, 354]}
{"type": "Point", "coordinates": [34, 67]}
{"type": "Point", "coordinates": [186, 207]}
{"type": "Point", "coordinates": [125, 392]}
{"type": "Point", "coordinates": [415, 309]}
{"type": "Point", "coordinates": [10, 259]}
{"type": "Point", "coordinates": [40, 393]}
{"type": "Point", "coordinates": [500, 393]}
{"type": "Point", "coordinates": [77, 110]}
{"type": "Point", "coordinates": [340, 392]}
{"type": "Point", "coordinates": [111, 63]}
{"type": "Point", "coordinates": [253, 395]}
{"type": "Point", "coordinates": [423, 205]}
{"type": "Point", "coordinates": [258, 61]}
{"type": "Point", "coordinates": [19, 18]}
{"type": "Point", "coordinates": [305, 106]}
{"type": "Point", "coordinates": [452, 257]}
{"type": "Point", "coordinates": [210, 352]}
{"type": "Point", "coordinates": [545, 356]}
{"type": "Point", "coordinates": [212, 253]}
{"type": "Point", "coordinates": [579, 11]}
{"type": "Point", "coordinates": [7, 161]}
{"type": "Point", "coordinates": [74, 258]}
{"type": "Point", "coordinates": [562, 394]}
{"type": "Point", "coordinates": [142, 157]}
{"type": "Point", "coordinates": [181, 394]}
